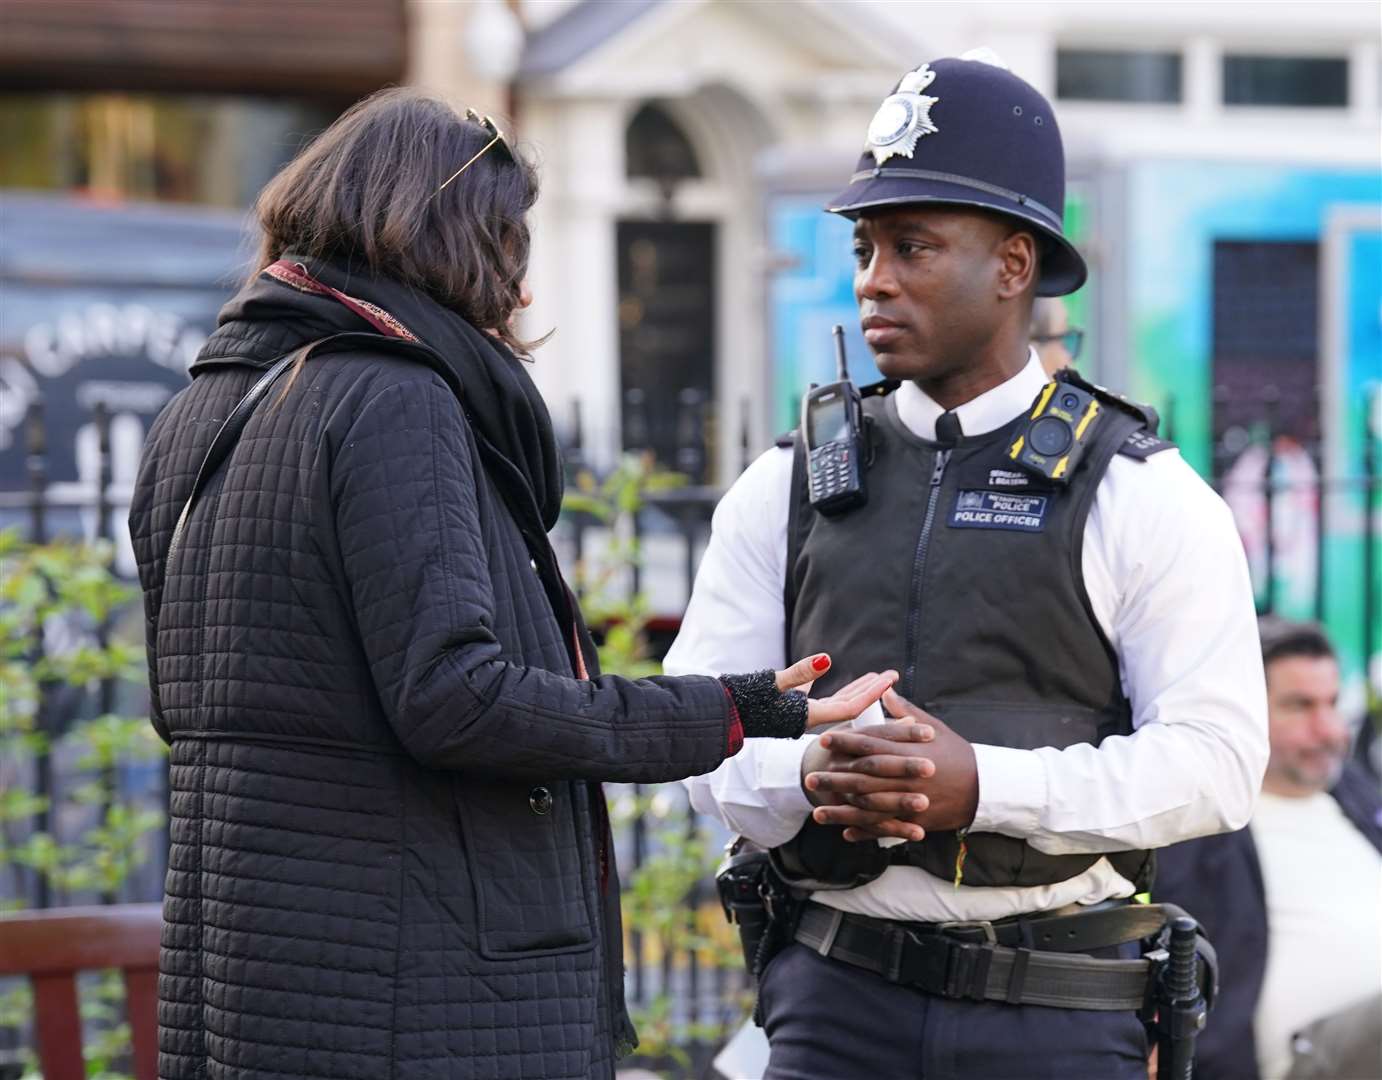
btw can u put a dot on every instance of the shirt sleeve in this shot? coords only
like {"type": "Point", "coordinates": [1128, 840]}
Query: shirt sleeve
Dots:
{"type": "Point", "coordinates": [1168, 579]}
{"type": "Point", "coordinates": [734, 623]}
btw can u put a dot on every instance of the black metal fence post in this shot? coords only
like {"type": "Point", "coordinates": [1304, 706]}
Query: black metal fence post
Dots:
{"type": "Point", "coordinates": [1272, 398]}
{"type": "Point", "coordinates": [106, 695]}
{"type": "Point", "coordinates": [35, 445]}
{"type": "Point", "coordinates": [640, 852]}
{"type": "Point", "coordinates": [691, 448]}
{"type": "Point", "coordinates": [636, 436]}
{"type": "Point", "coordinates": [637, 440]}
{"type": "Point", "coordinates": [745, 432]}
{"type": "Point", "coordinates": [1218, 451]}
{"type": "Point", "coordinates": [575, 459]}
{"type": "Point", "coordinates": [1322, 508]}
{"type": "Point", "coordinates": [693, 903]}
{"type": "Point", "coordinates": [36, 463]}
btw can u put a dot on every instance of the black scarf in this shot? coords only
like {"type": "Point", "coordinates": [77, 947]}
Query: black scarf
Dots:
{"type": "Point", "coordinates": [269, 318]}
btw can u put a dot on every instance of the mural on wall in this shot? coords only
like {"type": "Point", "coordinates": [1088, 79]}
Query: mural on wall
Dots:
{"type": "Point", "coordinates": [1236, 275]}
{"type": "Point", "coordinates": [1081, 305]}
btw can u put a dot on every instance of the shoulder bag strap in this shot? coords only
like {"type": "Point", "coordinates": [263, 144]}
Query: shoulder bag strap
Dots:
{"type": "Point", "coordinates": [221, 446]}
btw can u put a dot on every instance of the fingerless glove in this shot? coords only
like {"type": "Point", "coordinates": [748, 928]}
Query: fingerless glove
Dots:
{"type": "Point", "coordinates": [764, 710]}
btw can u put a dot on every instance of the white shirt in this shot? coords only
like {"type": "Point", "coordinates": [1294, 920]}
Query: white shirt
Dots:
{"type": "Point", "coordinates": [1168, 581]}
{"type": "Point", "coordinates": [1323, 884]}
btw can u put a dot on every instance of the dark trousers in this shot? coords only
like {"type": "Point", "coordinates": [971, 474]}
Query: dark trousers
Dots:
{"type": "Point", "coordinates": [826, 1020]}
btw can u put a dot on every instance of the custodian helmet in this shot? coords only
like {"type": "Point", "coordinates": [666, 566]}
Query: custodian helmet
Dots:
{"type": "Point", "coordinates": [970, 133]}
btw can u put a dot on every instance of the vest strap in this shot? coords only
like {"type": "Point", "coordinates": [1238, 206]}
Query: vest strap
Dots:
{"type": "Point", "coordinates": [1142, 444]}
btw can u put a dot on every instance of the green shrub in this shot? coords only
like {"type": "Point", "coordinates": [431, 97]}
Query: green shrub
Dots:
{"type": "Point", "coordinates": [66, 588]}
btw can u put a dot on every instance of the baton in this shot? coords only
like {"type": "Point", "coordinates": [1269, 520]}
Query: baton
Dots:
{"type": "Point", "coordinates": [1182, 1011]}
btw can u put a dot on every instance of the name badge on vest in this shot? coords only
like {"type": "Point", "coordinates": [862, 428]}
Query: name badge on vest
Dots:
{"type": "Point", "coordinates": [998, 510]}
{"type": "Point", "coordinates": [1005, 478]}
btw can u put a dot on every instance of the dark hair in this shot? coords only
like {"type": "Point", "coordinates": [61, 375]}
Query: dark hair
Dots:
{"type": "Point", "coordinates": [365, 192]}
{"type": "Point", "coordinates": [1282, 638]}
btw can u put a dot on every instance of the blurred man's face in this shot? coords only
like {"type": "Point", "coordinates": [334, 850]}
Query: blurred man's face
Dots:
{"type": "Point", "coordinates": [1309, 739]}
{"type": "Point", "coordinates": [1049, 344]}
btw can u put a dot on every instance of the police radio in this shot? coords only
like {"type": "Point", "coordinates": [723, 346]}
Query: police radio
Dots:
{"type": "Point", "coordinates": [832, 424]}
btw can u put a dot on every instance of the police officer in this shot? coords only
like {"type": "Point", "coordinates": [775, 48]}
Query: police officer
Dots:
{"type": "Point", "coordinates": [1080, 681]}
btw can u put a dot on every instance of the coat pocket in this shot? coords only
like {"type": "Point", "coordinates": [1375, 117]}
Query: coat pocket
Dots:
{"type": "Point", "coordinates": [526, 850]}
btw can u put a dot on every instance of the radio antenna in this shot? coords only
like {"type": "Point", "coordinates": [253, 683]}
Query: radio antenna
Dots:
{"type": "Point", "coordinates": [841, 364]}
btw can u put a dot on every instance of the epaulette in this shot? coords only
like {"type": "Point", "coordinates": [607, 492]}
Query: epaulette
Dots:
{"type": "Point", "coordinates": [881, 388]}
{"type": "Point", "coordinates": [1145, 413]}
{"type": "Point", "coordinates": [1141, 443]}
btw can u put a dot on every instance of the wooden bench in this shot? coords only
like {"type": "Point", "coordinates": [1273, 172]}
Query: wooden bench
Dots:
{"type": "Point", "coordinates": [51, 947]}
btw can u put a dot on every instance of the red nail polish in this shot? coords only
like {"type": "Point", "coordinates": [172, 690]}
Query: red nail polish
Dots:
{"type": "Point", "coordinates": [820, 663]}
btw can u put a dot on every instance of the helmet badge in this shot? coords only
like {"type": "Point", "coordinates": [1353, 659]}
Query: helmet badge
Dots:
{"type": "Point", "coordinates": [904, 117]}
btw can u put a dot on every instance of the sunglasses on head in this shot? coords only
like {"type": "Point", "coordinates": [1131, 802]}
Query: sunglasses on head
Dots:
{"type": "Point", "coordinates": [496, 135]}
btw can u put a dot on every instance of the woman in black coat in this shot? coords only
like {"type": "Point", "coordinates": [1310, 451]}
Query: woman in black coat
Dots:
{"type": "Point", "coordinates": [390, 856]}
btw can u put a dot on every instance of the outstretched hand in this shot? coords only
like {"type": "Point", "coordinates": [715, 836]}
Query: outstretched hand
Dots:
{"type": "Point", "coordinates": [846, 703]}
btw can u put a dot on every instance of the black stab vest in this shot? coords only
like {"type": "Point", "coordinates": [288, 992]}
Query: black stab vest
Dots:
{"type": "Point", "coordinates": [964, 574]}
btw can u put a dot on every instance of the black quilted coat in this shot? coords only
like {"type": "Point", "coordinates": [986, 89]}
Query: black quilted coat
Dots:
{"type": "Point", "coordinates": [389, 858]}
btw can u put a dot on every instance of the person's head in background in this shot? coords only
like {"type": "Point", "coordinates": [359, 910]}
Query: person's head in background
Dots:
{"type": "Point", "coordinates": [1310, 740]}
{"type": "Point", "coordinates": [1050, 327]}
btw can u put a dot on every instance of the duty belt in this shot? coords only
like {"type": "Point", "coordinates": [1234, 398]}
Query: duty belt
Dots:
{"type": "Point", "coordinates": [1021, 961]}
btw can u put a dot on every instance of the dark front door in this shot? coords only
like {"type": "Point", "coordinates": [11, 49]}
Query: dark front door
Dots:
{"type": "Point", "coordinates": [667, 341]}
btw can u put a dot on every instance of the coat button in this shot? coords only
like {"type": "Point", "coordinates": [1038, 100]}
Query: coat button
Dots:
{"type": "Point", "coordinates": [540, 799]}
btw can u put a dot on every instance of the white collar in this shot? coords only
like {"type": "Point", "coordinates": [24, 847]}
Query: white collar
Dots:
{"type": "Point", "coordinates": [987, 412]}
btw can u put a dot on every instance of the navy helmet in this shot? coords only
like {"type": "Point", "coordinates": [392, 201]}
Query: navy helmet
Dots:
{"type": "Point", "coordinates": [964, 132]}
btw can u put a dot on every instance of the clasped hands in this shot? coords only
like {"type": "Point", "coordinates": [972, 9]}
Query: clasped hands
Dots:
{"type": "Point", "coordinates": [896, 779]}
